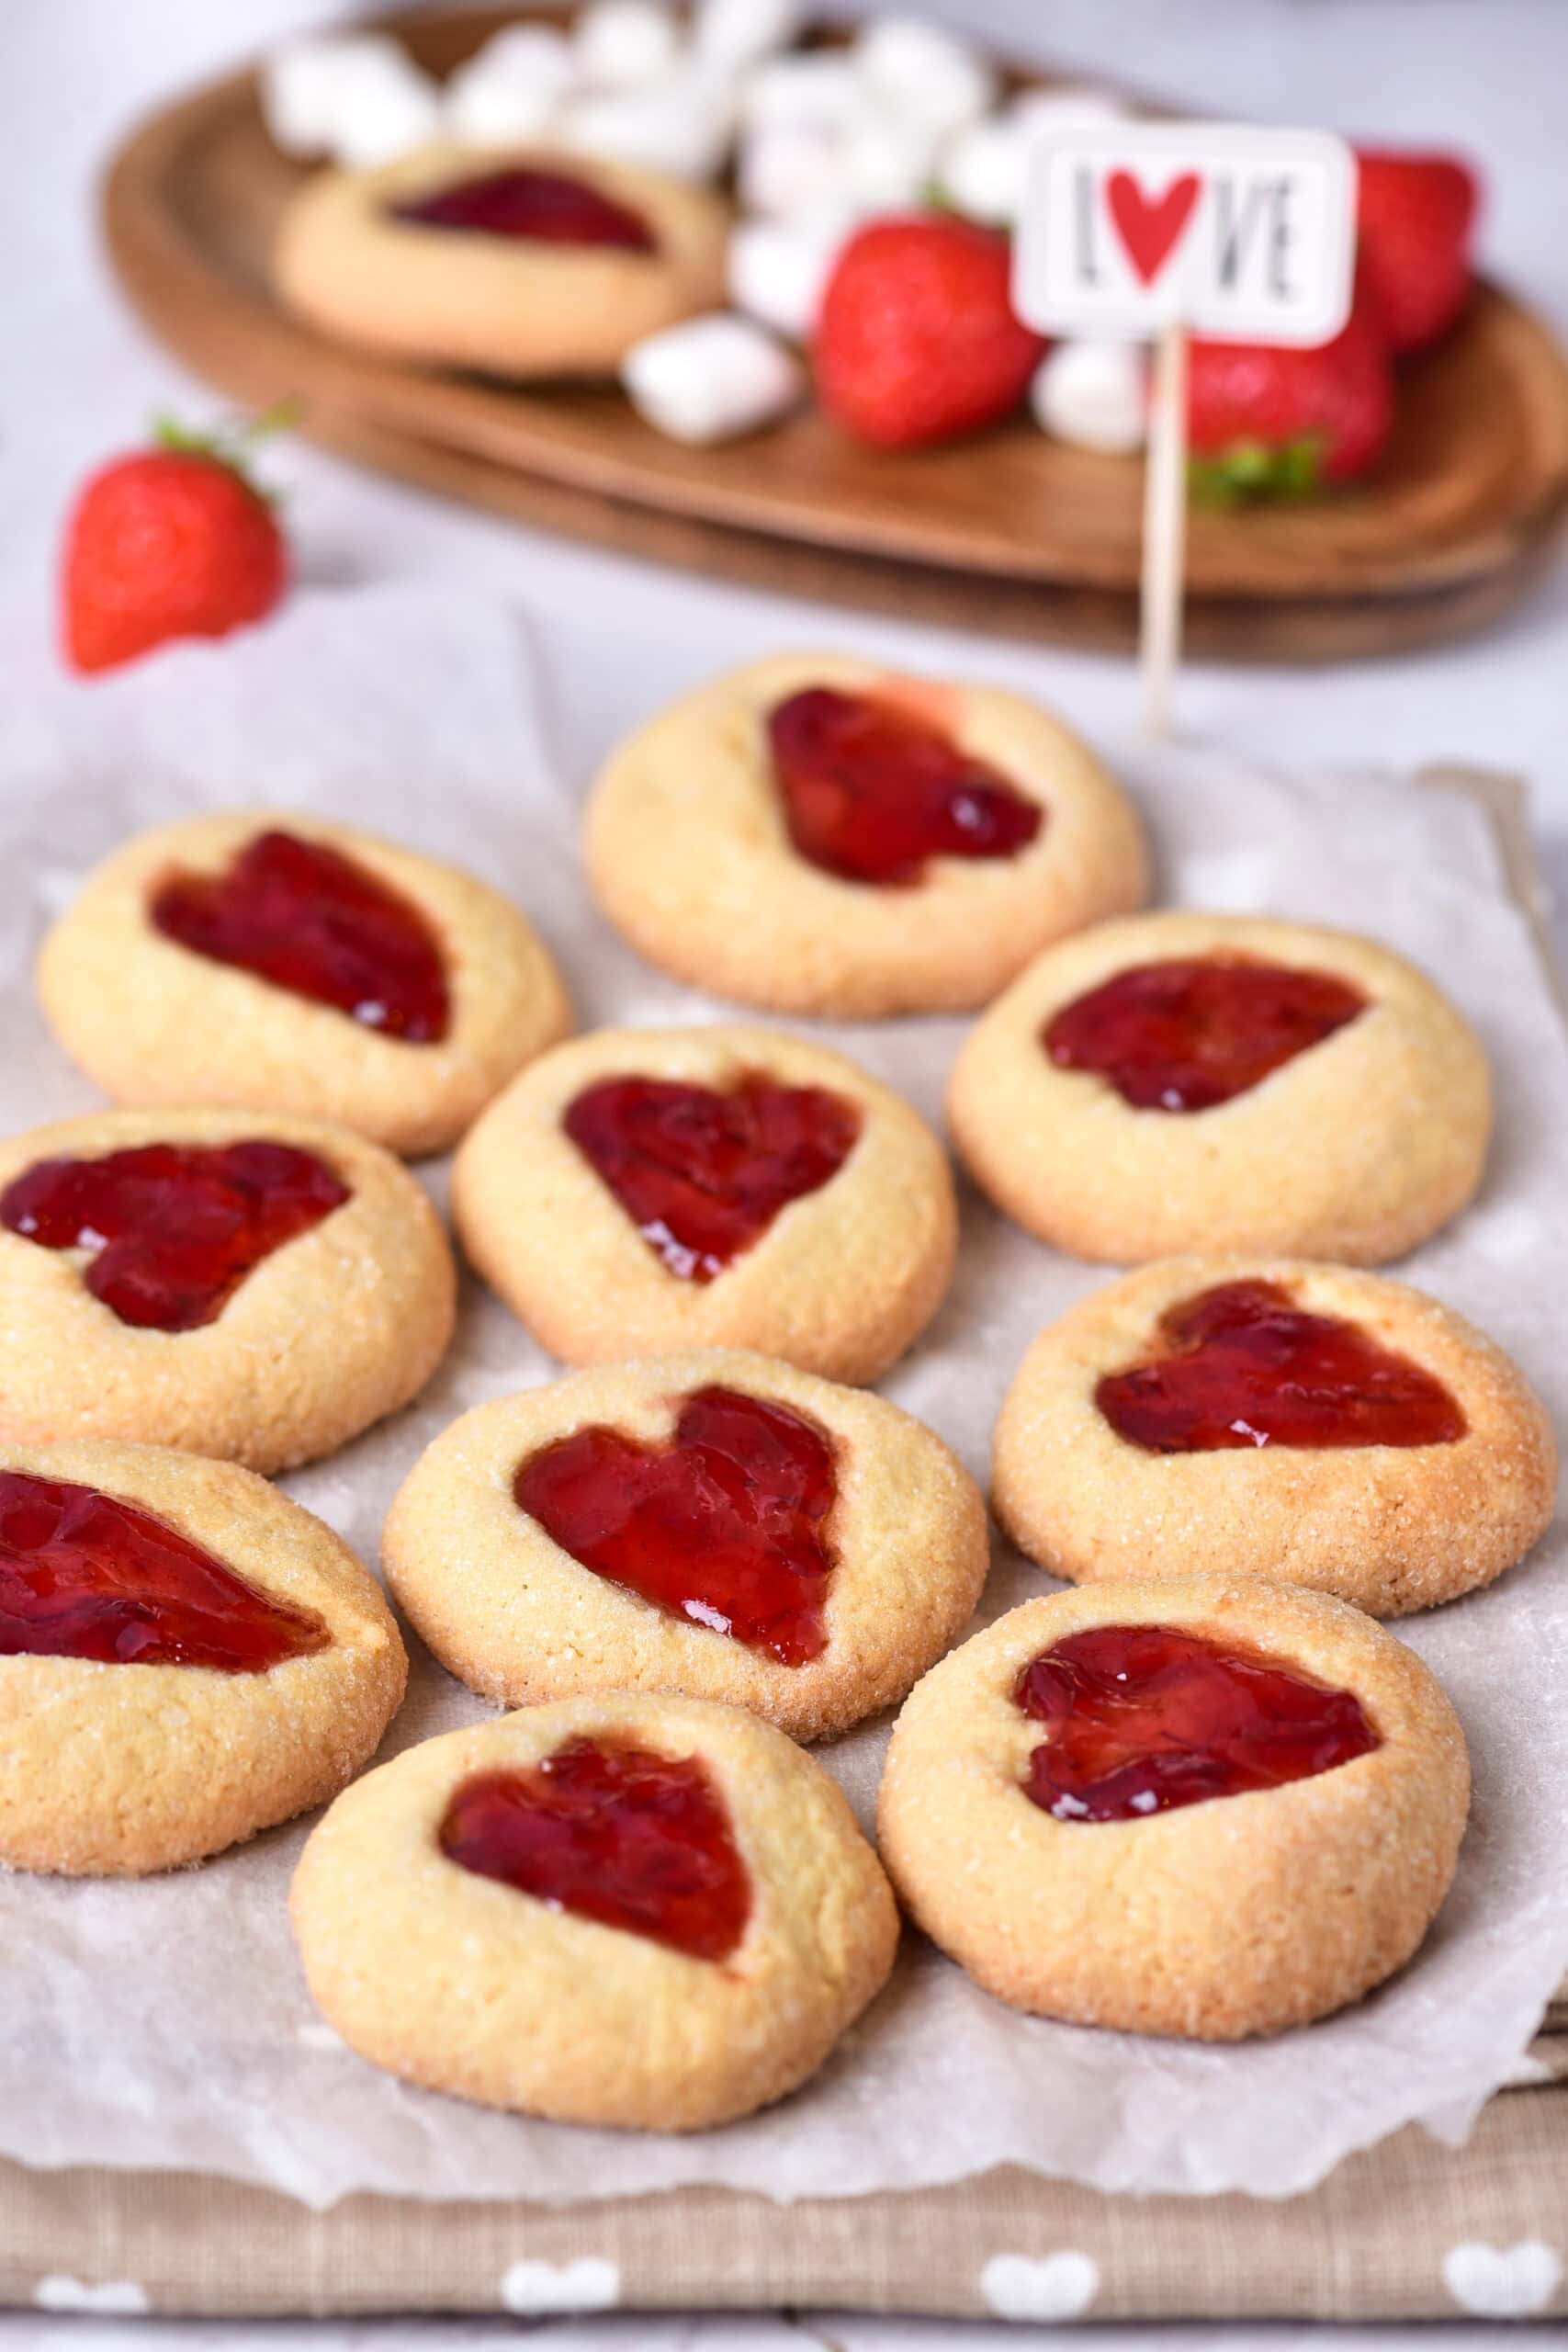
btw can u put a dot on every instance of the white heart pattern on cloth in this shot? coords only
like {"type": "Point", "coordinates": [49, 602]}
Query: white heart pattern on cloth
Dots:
{"type": "Point", "coordinates": [113, 2299]}
{"type": "Point", "coordinates": [1502, 2281]}
{"type": "Point", "coordinates": [589, 2284]}
{"type": "Point", "coordinates": [1052, 2287]}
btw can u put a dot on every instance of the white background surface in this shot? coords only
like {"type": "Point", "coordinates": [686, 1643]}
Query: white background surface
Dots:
{"type": "Point", "coordinates": [78, 380]}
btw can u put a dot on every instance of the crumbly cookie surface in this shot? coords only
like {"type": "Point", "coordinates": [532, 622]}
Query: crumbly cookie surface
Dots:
{"type": "Point", "coordinates": [1355, 1150]}
{"type": "Point", "coordinates": [690, 856]}
{"type": "Point", "coordinates": [1390, 1528]}
{"type": "Point", "coordinates": [511, 306]}
{"type": "Point", "coordinates": [120, 1769]}
{"type": "Point", "coordinates": [150, 1021]}
{"type": "Point", "coordinates": [518, 1618]}
{"type": "Point", "coordinates": [332, 1330]}
{"type": "Point", "coordinates": [1240, 1915]}
{"type": "Point", "coordinates": [841, 1282]}
{"type": "Point", "coordinates": [465, 1985]}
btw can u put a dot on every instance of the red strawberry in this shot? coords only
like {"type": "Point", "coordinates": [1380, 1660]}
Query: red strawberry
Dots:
{"type": "Point", "coordinates": [916, 336]}
{"type": "Point", "coordinates": [173, 541]}
{"type": "Point", "coordinates": [1416, 214]}
{"type": "Point", "coordinates": [1274, 419]}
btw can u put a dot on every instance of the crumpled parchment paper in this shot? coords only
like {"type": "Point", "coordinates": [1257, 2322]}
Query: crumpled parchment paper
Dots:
{"type": "Point", "coordinates": [165, 2024]}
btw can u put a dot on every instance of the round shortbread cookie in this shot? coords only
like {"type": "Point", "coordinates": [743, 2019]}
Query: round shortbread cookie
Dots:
{"type": "Point", "coordinates": [124, 1760]}
{"type": "Point", "coordinates": [839, 1278]}
{"type": "Point", "coordinates": [748, 1533]}
{"type": "Point", "coordinates": [693, 853]}
{"type": "Point", "coordinates": [734, 1929]}
{"type": "Point", "coordinates": [151, 1020]}
{"type": "Point", "coordinates": [332, 1326]}
{"type": "Point", "coordinates": [1356, 1146]}
{"type": "Point", "coordinates": [1391, 1524]}
{"type": "Point", "coordinates": [1237, 1915]}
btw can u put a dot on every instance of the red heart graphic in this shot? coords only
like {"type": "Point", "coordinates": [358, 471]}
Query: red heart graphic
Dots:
{"type": "Point", "coordinates": [722, 1526]}
{"type": "Point", "coordinates": [1191, 1031]}
{"type": "Point", "coordinates": [1242, 1366]}
{"type": "Point", "coordinates": [1149, 228]}
{"type": "Point", "coordinates": [311, 920]}
{"type": "Point", "coordinates": [177, 1227]}
{"type": "Point", "coordinates": [88, 1574]}
{"type": "Point", "coordinates": [870, 791]}
{"type": "Point", "coordinates": [1142, 1718]}
{"type": "Point", "coordinates": [614, 1833]}
{"type": "Point", "coordinates": [702, 1175]}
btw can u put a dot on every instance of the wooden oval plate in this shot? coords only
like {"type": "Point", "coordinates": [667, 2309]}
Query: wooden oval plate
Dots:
{"type": "Point", "coordinates": [1008, 532]}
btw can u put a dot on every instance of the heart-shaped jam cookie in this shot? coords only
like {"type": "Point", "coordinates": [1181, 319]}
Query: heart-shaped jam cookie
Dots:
{"type": "Point", "coordinates": [523, 202]}
{"type": "Point", "coordinates": [91, 1576]}
{"type": "Point", "coordinates": [1196, 1030]}
{"type": "Point", "coordinates": [702, 1175]}
{"type": "Point", "coordinates": [614, 1832]}
{"type": "Point", "coordinates": [1141, 1719]}
{"type": "Point", "coordinates": [723, 1525]}
{"type": "Point", "coordinates": [316, 922]}
{"type": "Point", "coordinates": [176, 1228]}
{"type": "Point", "coordinates": [1240, 1365]}
{"type": "Point", "coordinates": [871, 790]}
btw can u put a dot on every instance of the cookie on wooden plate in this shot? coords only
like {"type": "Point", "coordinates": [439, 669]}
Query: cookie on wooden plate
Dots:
{"type": "Point", "coordinates": [630, 1910]}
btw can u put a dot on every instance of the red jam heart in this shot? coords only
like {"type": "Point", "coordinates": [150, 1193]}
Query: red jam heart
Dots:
{"type": "Point", "coordinates": [177, 1227]}
{"type": "Point", "coordinates": [1185, 1034]}
{"type": "Point", "coordinates": [544, 208]}
{"type": "Point", "coordinates": [1142, 1718]}
{"type": "Point", "coordinates": [703, 1175]}
{"type": "Point", "coordinates": [609, 1830]}
{"type": "Point", "coordinates": [86, 1574]}
{"type": "Point", "coordinates": [723, 1525]}
{"type": "Point", "coordinates": [310, 919]}
{"type": "Point", "coordinates": [871, 790]}
{"type": "Point", "coordinates": [1242, 1366]}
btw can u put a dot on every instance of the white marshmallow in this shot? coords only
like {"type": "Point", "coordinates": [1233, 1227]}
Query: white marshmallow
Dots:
{"type": "Point", "coordinates": [820, 90]}
{"type": "Point", "coordinates": [733, 33]}
{"type": "Point", "coordinates": [620, 43]}
{"type": "Point", "coordinates": [682, 125]}
{"type": "Point", "coordinates": [1094, 395]}
{"type": "Point", "coordinates": [981, 171]}
{"type": "Point", "coordinates": [299, 81]}
{"type": "Point", "coordinates": [508, 90]}
{"type": "Point", "coordinates": [712, 379]}
{"type": "Point", "coordinates": [381, 107]}
{"type": "Point", "coordinates": [778, 271]}
{"type": "Point", "coordinates": [790, 169]}
{"type": "Point", "coordinates": [923, 73]}
{"type": "Point", "coordinates": [888, 161]}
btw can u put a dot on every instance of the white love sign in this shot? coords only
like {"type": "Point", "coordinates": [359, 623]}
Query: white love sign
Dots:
{"type": "Point", "coordinates": [1159, 229]}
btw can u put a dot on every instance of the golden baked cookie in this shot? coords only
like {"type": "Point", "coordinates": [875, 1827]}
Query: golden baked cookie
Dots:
{"type": "Point", "coordinates": [281, 961]}
{"type": "Point", "coordinates": [717, 1524]}
{"type": "Point", "coordinates": [1274, 1418]}
{"type": "Point", "coordinates": [1190, 1081]}
{"type": "Point", "coordinates": [525, 264]}
{"type": "Point", "coordinates": [1211, 1807]}
{"type": "Point", "coordinates": [234, 1283]}
{"type": "Point", "coordinates": [642, 1191]}
{"type": "Point", "coordinates": [631, 1910]}
{"type": "Point", "coordinates": [185, 1657]}
{"type": "Point", "coordinates": [818, 834]}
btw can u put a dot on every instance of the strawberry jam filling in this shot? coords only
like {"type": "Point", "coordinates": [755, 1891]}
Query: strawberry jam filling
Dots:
{"type": "Point", "coordinates": [871, 791]}
{"type": "Point", "coordinates": [311, 920]}
{"type": "Point", "coordinates": [702, 1175]}
{"type": "Point", "coordinates": [1188, 1034]}
{"type": "Point", "coordinates": [86, 1574]}
{"type": "Point", "coordinates": [614, 1832]}
{"type": "Point", "coordinates": [175, 1227]}
{"type": "Point", "coordinates": [722, 1526]}
{"type": "Point", "coordinates": [1240, 1365]}
{"type": "Point", "coordinates": [1140, 1719]}
{"type": "Point", "coordinates": [536, 207]}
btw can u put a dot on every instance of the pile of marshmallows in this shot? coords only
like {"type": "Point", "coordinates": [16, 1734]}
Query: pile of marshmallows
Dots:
{"type": "Point", "coordinates": [820, 140]}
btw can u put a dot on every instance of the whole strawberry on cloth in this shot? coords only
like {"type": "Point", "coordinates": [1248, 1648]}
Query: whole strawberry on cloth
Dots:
{"type": "Point", "coordinates": [171, 541]}
{"type": "Point", "coordinates": [1271, 420]}
{"type": "Point", "coordinates": [1414, 216]}
{"type": "Point", "coordinates": [917, 340]}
